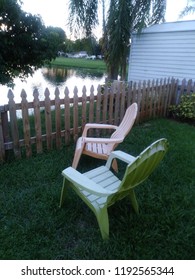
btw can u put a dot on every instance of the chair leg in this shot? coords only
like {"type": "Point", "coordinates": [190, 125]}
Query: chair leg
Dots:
{"type": "Point", "coordinates": [115, 165]}
{"type": "Point", "coordinates": [76, 159]}
{"type": "Point", "coordinates": [103, 222]}
{"type": "Point", "coordinates": [134, 202]}
{"type": "Point", "coordinates": [63, 193]}
{"type": "Point", "coordinates": [78, 152]}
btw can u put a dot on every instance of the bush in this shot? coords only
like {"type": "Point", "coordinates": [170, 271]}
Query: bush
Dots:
{"type": "Point", "coordinates": [185, 110]}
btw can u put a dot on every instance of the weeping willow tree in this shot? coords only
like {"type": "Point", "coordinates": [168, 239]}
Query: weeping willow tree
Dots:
{"type": "Point", "coordinates": [189, 9]}
{"type": "Point", "coordinates": [123, 17]}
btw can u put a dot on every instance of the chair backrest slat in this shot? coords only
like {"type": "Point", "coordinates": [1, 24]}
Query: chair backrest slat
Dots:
{"type": "Point", "coordinates": [125, 125]}
{"type": "Point", "coordinates": [127, 122]}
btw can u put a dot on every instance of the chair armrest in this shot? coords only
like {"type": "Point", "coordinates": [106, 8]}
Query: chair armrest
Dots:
{"type": "Point", "coordinates": [102, 140]}
{"type": "Point", "coordinates": [81, 181]}
{"type": "Point", "coordinates": [121, 156]}
{"type": "Point", "coordinates": [97, 126]}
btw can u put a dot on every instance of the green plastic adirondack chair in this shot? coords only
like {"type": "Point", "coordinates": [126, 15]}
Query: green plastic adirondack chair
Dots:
{"type": "Point", "coordinates": [101, 188]}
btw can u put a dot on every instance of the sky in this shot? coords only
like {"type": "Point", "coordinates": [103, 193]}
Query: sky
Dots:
{"type": "Point", "coordinates": [55, 13]}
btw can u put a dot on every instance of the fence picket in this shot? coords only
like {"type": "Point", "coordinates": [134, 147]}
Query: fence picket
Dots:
{"type": "Point", "coordinates": [58, 118]}
{"type": "Point", "coordinates": [38, 133]}
{"type": "Point", "coordinates": [2, 149]}
{"type": "Point", "coordinates": [143, 101]}
{"type": "Point", "coordinates": [111, 104]}
{"type": "Point", "coordinates": [147, 100]}
{"type": "Point", "coordinates": [153, 99]}
{"type": "Point", "coordinates": [48, 122]}
{"type": "Point", "coordinates": [67, 116]}
{"type": "Point", "coordinates": [139, 95]}
{"type": "Point", "coordinates": [165, 92]}
{"type": "Point", "coordinates": [5, 125]}
{"type": "Point", "coordinates": [189, 87]}
{"type": "Point", "coordinates": [84, 107]}
{"type": "Point", "coordinates": [75, 114]}
{"type": "Point", "coordinates": [181, 91]}
{"type": "Point", "coordinates": [14, 125]}
{"type": "Point", "coordinates": [91, 105]}
{"type": "Point", "coordinates": [134, 92]}
{"type": "Point", "coordinates": [172, 93]}
{"type": "Point", "coordinates": [105, 106]}
{"type": "Point", "coordinates": [122, 102]}
{"type": "Point", "coordinates": [159, 98]}
{"type": "Point", "coordinates": [26, 124]}
{"type": "Point", "coordinates": [117, 90]}
{"type": "Point", "coordinates": [98, 104]}
{"type": "Point", "coordinates": [98, 109]}
{"type": "Point", "coordinates": [149, 92]}
{"type": "Point", "coordinates": [129, 94]}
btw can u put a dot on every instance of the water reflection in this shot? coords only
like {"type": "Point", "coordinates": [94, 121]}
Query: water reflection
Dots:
{"type": "Point", "coordinates": [58, 76]}
{"type": "Point", "coordinates": [54, 77]}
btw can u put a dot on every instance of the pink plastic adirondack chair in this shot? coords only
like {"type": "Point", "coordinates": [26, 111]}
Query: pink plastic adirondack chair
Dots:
{"type": "Point", "coordinates": [102, 147]}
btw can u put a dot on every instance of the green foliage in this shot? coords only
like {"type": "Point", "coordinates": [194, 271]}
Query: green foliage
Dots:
{"type": "Point", "coordinates": [25, 43]}
{"type": "Point", "coordinates": [88, 44]}
{"type": "Point", "coordinates": [185, 110]}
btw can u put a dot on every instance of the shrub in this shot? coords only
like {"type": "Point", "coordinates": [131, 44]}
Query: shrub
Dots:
{"type": "Point", "coordinates": [185, 110]}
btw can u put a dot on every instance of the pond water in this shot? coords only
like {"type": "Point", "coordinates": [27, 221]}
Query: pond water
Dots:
{"type": "Point", "coordinates": [51, 78]}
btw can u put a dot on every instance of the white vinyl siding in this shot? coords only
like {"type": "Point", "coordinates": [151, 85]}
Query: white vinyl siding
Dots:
{"type": "Point", "coordinates": [156, 55]}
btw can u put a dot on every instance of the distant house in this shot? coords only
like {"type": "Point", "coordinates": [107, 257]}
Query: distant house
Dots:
{"type": "Point", "coordinates": [81, 54]}
{"type": "Point", "coordinates": [162, 51]}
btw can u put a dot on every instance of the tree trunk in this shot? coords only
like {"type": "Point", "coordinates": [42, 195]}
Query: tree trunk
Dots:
{"type": "Point", "coordinates": [113, 71]}
{"type": "Point", "coordinates": [124, 69]}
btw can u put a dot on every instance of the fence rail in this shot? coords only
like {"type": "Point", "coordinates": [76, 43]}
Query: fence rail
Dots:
{"type": "Point", "coordinates": [52, 123]}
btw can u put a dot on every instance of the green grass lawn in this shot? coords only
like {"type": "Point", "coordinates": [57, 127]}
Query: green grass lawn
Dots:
{"type": "Point", "coordinates": [33, 226]}
{"type": "Point", "coordinates": [79, 63]}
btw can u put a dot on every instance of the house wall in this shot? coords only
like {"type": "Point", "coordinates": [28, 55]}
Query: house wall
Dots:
{"type": "Point", "coordinates": [163, 51]}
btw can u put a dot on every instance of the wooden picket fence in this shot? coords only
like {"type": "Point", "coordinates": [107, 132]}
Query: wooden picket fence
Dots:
{"type": "Point", "coordinates": [53, 123]}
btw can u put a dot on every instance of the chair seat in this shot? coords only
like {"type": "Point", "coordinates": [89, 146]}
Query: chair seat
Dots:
{"type": "Point", "coordinates": [96, 148]}
{"type": "Point", "coordinates": [103, 177]}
